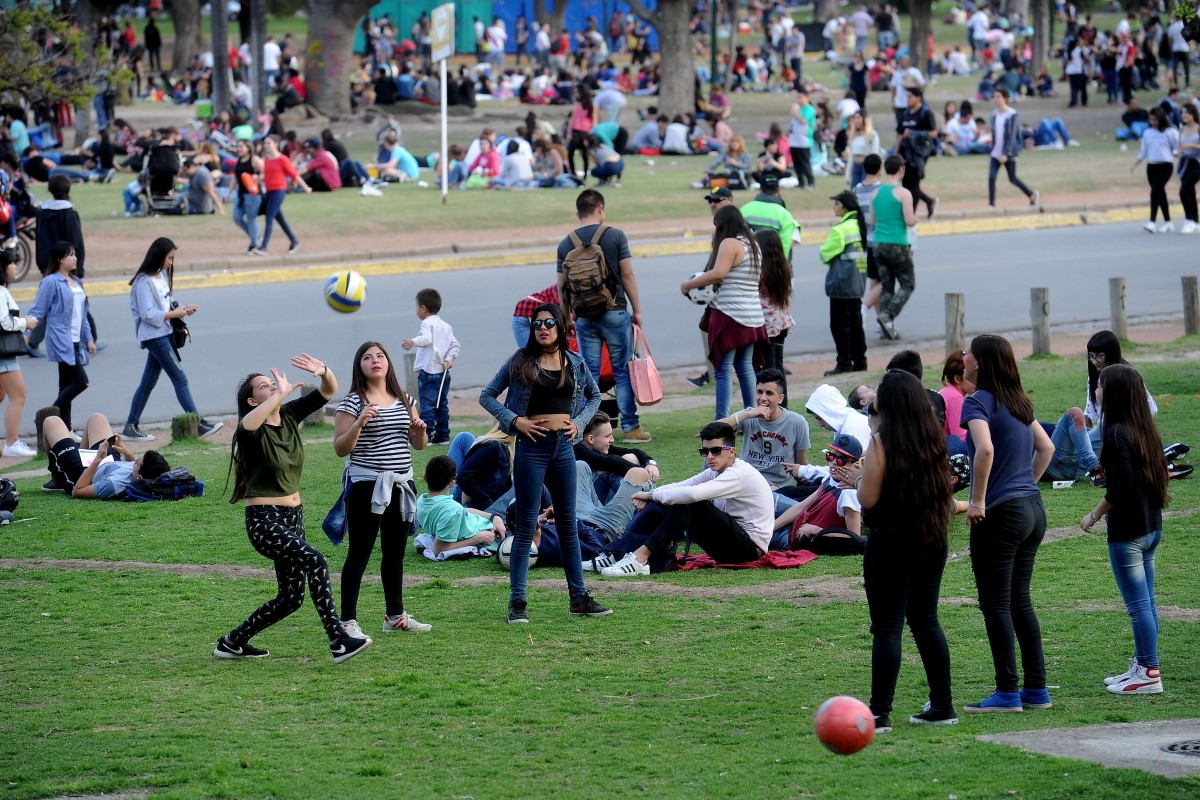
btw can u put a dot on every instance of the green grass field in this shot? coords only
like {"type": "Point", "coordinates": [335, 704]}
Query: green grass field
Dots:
{"type": "Point", "coordinates": [699, 685]}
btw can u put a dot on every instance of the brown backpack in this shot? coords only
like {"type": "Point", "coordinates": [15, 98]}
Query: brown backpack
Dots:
{"type": "Point", "coordinates": [586, 276]}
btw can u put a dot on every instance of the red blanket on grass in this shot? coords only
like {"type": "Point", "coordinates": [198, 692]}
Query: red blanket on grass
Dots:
{"type": "Point", "coordinates": [774, 559]}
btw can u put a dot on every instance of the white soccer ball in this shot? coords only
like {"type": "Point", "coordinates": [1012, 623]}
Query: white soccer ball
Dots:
{"type": "Point", "coordinates": [703, 295]}
{"type": "Point", "coordinates": [502, 552]}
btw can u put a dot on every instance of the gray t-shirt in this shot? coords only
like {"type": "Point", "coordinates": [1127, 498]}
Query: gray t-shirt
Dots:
{"type": "Point", "coordinates": [767, 446]}
{"type": "Point", "coordinates": [199, 201]}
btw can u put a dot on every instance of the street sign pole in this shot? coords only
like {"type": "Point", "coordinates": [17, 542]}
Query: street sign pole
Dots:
{"type": "Point", "coordinates": [442, 23]}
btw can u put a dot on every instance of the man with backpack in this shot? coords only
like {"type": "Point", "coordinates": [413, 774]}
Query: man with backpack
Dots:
{"type": "Point", "coordinates": [599, 289]}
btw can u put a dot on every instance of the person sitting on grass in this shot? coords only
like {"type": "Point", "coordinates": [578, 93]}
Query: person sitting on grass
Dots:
{"type": "Point", "coordinates": [110, 468]}
{"type": "Point", "coordinates": [834, 505]}
{"type": "Point", "coordinates": [607, 463]}
{"type": "Point", "coordinates": [726, 510]}
{"type": "Point", "coordinates": [450, 524]}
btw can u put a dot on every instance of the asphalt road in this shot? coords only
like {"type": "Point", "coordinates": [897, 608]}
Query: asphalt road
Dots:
{"type": "Point", "coordinates": [253, 328]}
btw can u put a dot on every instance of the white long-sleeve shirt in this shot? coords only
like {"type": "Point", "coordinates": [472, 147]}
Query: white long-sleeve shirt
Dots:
{"type": "Point", "coordinates": [740, 491]}
{"type": "Point", "coordinates": [435, 344]}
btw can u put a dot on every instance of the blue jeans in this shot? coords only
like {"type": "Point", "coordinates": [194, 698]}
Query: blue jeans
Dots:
{"type": "Point", "coordinates": [740, 361]}
{"type": "Point", "coordinates": [433, 393]}
{"type": "Point", "coordinates": [1004, 546]}
{"type": "Point", "coordinates": [609, 169]}
{"type": "Point", "coordinates": [520, 326]}
{"type": "Point", "coordinates": [1050, 130]}
{"type": "Point", "coordinates": [1133, 567]}
{"type": "Point", "coordinates": [133, 202]}
{"type": "Point", "coordinates": [858, 173]}
{"type": "Point", "coordinates": [610, 516]}
{"type": "Point", "coordinates": [245, 215]}
{"type": "Point", "coordinates": [76, 176]}
{"type": "Point", "coordinates": [782, 537]}
{"type": "Point", "coordinates": [160, 357]}
{"type": "Point", "coordinates": [550, 461]}
{"type": "Point", "coordinates": [458, 452]}
{"type": "Point", "coordinates": [614, 329]}
{"type": "Point", "coordinates": [274, 202]}
{"type": "Point", "coordinates": [1073, 455]}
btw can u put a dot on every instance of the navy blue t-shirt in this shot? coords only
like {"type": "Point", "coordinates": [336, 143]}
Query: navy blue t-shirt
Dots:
{"type": "Point", "coordinates": [1012, 442]}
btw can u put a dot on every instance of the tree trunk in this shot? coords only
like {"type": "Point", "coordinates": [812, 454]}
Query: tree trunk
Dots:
{"type": "Point", "coordinates": [1018, 7]}
{"type": "Point", "coordinates": [918, 37]}
{"type": "Point", "coordinates": [188, 39]}
{"type": "Point", "coordinates": [677, 88]}
{"type": "Point", "coordinates": [1041, 37]}
{"type": "Point", "coordinates": [826, 10]}
{"type": "Point", "coordinates": [556, 16]}
{"type": "Point", "coordinates": [220, 47]}
{"type": "Point", "coordinates": [86, 16]}
{"type": "Point", "coordinates": [332, 25]}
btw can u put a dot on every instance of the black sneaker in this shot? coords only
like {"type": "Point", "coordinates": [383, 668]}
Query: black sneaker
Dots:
{"type": "Point", "coordinates": [346, 647]}
{"type": "Point", "coordinates": [133, 433]}
{"type": "Point", "coordinates": [209, 428]}
{"type": "Point", "coordinates": [700, 380]}
{"type": "Point", "coordinates": [1096, 477]}
{"type": "Point", "coordinates": [883, 724]}
{"type": "Point", "coordinates": [1179, 470]}
{"type": "Point", "coordinates": [226, 649]}
{"type": "Point", "coordinates": [516, 612]}
{"type": "Point", "coordinates": [933, 716]}
{"type": "Point", "coordinates": [585, 606]}
{"type": "Point", "coordinates": [53, 485]}
{"type": "Point", "coordinates": [1176, 450]}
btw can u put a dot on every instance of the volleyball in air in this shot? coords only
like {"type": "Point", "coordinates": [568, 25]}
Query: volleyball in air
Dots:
{"type": "Point", "coordinates": [346, 291]}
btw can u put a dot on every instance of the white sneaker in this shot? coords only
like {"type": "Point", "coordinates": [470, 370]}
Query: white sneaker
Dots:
{"type": "Point", "coordinates": [697, 184]}
{"type": "Point", "coordinates": [371, 191]}
{"type": "Point", "coordinates": [404, 623]}
{"type": "Point", "coordinates": [1114, 679]}
{"type": "Point", "coordinates": [626, 567]}
{"type": "Point", "coordinates": [1150, 228]}
{"type": "Point", "coordinates": [1143, 680]}
{"type": "Point", "coordinates": [598, 563]}
{"type": "Point", "coordinates": [352, 629]}
{"type": "Point", "coordinates": [1073, 143]}
{"type": "Point", "coordinates": [19, 449]}
{"type": "Point", "coordinates": [1166, 227]}
{"type": "Point", "coordinates": [1188, 227]}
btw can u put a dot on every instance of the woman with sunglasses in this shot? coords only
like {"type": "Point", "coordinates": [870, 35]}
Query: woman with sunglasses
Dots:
{"type": "Point", "coordinates": [1007, 519]}
{"type": "Point", "coordinates": [905, 492]}
{"type": "Point", "coordinates": [1077, 436]}
{"type": "Point", "coordinates": [550, 397]}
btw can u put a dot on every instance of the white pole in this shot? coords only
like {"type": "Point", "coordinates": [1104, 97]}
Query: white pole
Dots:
{"type": "Point", "coordinates": [444, 161]}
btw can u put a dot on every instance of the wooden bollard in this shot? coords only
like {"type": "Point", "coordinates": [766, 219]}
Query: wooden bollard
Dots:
{"type": "Point", "coordinates": [956, 314]}
{"type": "Point", "coordinates": [1116, 305]}
{"type": "Point", "coordinates": [1039, 317]}
{"type": "Point", "coordinates": [1191, 305]}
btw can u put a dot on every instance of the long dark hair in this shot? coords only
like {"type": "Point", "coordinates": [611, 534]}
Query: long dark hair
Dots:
{"type": "Point", "coordinates": [917, 472]}
{"type": "Point", "coordinates": [237, 467]}
{"type": "Point", "coordinates": [775, 282]}
{"type": "Point", "coordinates": [358, 381]}
{"type": "Point", "coordinates": [1105, 342]}
{"type": "Point", "coordinates": [155, 258]}
{"type": "Point", "coordinates": [525, 364]}
{"type": "Point", "coordinates": [728, 223]}
{"type": "Point", "coordinates": [999, 375]}
{"type": "Point", "coordinates": [58, 252]}
{"type": "Point", "coordinates": [1127, 416]}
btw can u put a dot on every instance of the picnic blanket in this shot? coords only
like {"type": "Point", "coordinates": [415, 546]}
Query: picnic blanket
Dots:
{"type": "Point", "coordinates": [774, 559]}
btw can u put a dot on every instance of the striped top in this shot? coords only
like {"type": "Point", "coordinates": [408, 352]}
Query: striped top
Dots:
{"type": "Point", "coordinates": [383, 442]}
{"type": "Point", "coordinates": [738, 296]}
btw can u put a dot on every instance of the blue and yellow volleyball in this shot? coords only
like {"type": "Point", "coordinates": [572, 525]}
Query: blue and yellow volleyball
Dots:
{"type": "Point", "coordinates": [346, 291]}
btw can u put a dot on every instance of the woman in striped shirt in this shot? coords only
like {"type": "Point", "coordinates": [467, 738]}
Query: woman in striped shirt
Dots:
{"type": "Point", "coordinates": [377, 425]}
{"type": "Point", "coordinates": [277, 168]}
{"type": "Point", "coordinates": [735, 321]}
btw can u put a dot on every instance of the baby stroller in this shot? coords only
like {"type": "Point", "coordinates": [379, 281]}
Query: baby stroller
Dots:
{"type": "Point", "coordinates": [159, 181]}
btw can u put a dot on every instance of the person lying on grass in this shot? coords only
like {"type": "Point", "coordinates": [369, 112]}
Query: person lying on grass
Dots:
{"type": "Point", "coordinates": [110, 467]}
{"type": "Point", "coordinates": [450, 524]}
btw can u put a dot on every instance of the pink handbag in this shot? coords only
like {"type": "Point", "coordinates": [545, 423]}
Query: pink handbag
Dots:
{"type": "Point", "coordinates": [643, 375]}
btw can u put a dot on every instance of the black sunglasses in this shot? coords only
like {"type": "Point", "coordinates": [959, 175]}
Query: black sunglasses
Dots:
{"type": "Point", "coordinates": [548, 324]}
{"type": "Point", "coordinates": [714, 451]}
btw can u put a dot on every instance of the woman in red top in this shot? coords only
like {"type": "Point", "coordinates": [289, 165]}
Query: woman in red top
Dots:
{"type": "Point", "coordinates": [277, 168]}
{"type": "Point", "coordinates": [488, 160]}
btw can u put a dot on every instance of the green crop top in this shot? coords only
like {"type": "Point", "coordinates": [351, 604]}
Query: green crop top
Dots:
{"type": "Point", "coordinates": [273, 455]}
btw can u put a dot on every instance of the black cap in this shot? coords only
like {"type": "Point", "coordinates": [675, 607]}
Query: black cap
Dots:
{"type": "Point", "coordinates": [769, 180]}
{"type": "Point", "coordinates": [313, 143]}
{"type": "Point", "coordinates": [189, 162]}
{"type": "Point", "coordinates": [718, 193]}
{"type": "Point", "coordinates": [848, 199]}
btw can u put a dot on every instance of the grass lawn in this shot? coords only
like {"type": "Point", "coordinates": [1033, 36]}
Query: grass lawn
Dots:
{"type": "Point", "coordinates": [700, 685]}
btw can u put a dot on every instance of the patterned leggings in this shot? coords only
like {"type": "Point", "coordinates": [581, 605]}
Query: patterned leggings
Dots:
{"type": "Point", "coordinates": [277, 532]}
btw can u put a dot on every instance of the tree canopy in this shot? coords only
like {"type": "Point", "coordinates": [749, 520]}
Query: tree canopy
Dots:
{"type": "Point", "coordinates": [40, 57]}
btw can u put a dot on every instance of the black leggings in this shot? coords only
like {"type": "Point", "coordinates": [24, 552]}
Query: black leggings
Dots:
{"type": "Point", "coordinates": [802, 163]}
{"type": "Point", "coordinates": [577, 144]}
{"type": "Point", "coordinates": [363, 528]}
{"type": "Point", "coordinates": [912, 182]}
{"type": "Point", "coordinates": [1159, 175]}
{"type": "Point", "coordinates": [72, 381]}
{"type": "Point", "coordinates": [277, 532]}
{"type": "Point", "coordinates": [1187, 188]}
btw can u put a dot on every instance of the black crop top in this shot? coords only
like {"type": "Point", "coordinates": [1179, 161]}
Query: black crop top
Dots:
{"type": "Point", "coordinates": [547, 397]}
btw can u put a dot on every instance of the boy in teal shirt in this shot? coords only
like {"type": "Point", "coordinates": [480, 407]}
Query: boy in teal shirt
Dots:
{"type": "Point", "coordinates": [449, 523]}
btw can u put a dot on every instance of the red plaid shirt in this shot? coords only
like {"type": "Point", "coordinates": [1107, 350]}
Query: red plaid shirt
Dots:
{"type": "Point", "coordinates": [526, 307]}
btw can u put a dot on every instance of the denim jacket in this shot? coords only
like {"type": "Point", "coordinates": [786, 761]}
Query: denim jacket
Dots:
{"type": "Point", "coordinates": [585, 401]}
{"type": "Point", "coordinates": [52, 308]}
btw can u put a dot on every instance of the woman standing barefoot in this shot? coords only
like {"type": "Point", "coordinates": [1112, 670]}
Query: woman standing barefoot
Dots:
{"type": "Point", "coordinates": [377, 426]}
{"type": "Point", "coordinates": [267, 459]}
